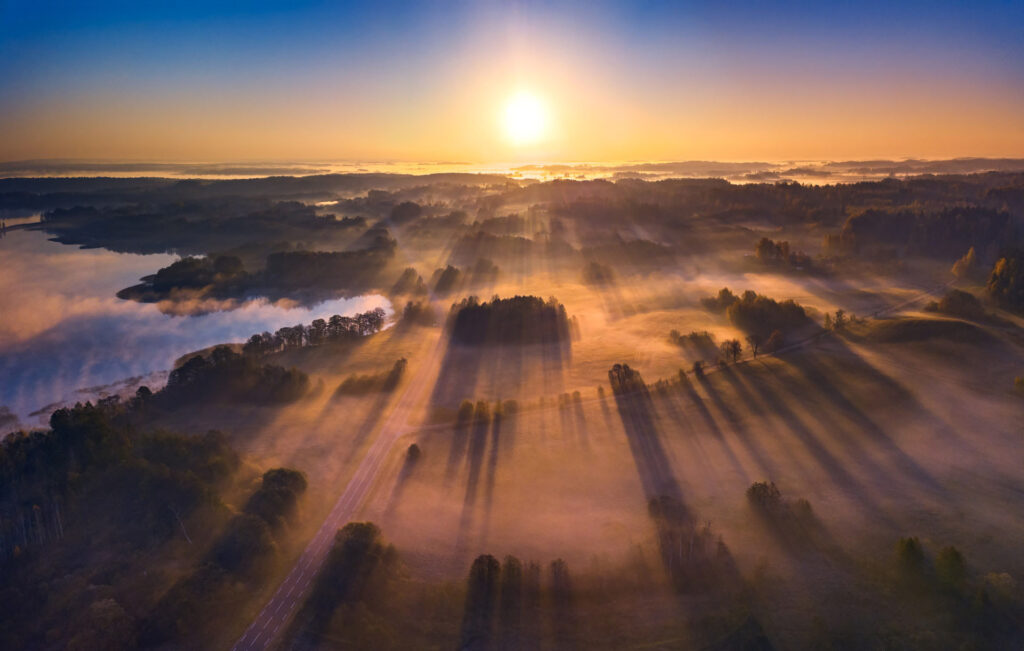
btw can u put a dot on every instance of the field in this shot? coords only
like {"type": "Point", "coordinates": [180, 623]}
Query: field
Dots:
{"type": "Point", "coordinates": [855, 483]}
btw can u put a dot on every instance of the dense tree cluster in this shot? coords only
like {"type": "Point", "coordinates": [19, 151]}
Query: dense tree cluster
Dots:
{"type": "Point", "coordinates": [237, 560]}
{"type": "Point", "coordinates": [225, 276]}
{"type": "Point", "coordinates": [958, 303]}
{"type": "Point", "coordinates": [484, 271]}
{"type": "Point", "coordinates": [698, 338]}
{"type": "Point", "coordinates": [721, 301]}
{"type": "Point", "coordinates": [220, 276]}
{"type": "Point", "coordinates": [405, 212]}
{"type": "Point", "coordinates": [779, 254]}
{"type": "Point", "coordinates": [636, 254]}
{"type": "Point", "coordinates": [190, 226]}
{"type": "Point", "coordinates": [90, 450]}
{"type": "Point", "coordinates": [230, 376]}
{"type": "Point", "coordinates": [764, 495]}
{"type": "Point", "coordinates": [277, 497]}
{"type": "Point", "coordinates": [941, 233]}
{"type": "Point", "coordinates": [731, 349]}
{"type": "Point", "coordinates": [757, 314]}
{"type": "Point", "coordinates": [696, 559]}
{"type": "Point", "coordinates": [1006, 282]}
{"type": "Point", "coordinates": [357, 566]}
{"type": "Point", "coordinates": [418, 313]}
{"type": "Point", "coordinates": [625, 380]}
{"type": "Point", "coordinates": [115, 496]}
{"type": "Point", "coordinates": [409, 282]}
{"type": "Point", "coordinates": [446, 280]}
{"type": "Point", "coordinates": [766, 498]}
{"type": "Point", "coordinates": [979, 611]}
{"type": "Point", "coordinates": [195, 273]}
{"type": "Point", "coordinates": [515, 320]}
{"type": "Point", "coordinates": [352, 270]}
{"type": "Point", "coordinates": [503, 225]}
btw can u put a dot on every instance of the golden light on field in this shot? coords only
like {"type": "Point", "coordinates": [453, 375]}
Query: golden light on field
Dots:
{"type": "Point", "coordinates": [525, 119]}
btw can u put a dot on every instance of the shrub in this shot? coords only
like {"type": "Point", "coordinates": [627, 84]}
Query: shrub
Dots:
{"type": "Point", "coordinates": [764, 495]}
{"type": "Point", "coordinates": [960, 304]}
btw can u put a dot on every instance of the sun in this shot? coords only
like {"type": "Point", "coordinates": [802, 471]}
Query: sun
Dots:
{"type": "Point", "coordinates": [526, 119]}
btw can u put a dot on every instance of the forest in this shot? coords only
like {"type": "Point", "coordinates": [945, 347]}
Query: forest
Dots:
{"type": "Point", "coordinates": [472, 411]}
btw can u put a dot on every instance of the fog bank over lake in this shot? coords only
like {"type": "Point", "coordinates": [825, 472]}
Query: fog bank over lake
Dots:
{"type": "Point", "coordinates": [62, 328]}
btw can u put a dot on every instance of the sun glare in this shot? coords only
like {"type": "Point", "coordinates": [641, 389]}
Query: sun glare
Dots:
{"type": "Point", "coordinates": [525, 119]}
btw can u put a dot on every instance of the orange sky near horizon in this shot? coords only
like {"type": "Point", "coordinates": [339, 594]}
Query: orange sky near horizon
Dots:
{"type": "Point", "coordinates": [614, 87]}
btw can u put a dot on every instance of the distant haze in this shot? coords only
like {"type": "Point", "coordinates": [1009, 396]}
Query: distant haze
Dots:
{"type": "Point", "coordinates": [807, 172]}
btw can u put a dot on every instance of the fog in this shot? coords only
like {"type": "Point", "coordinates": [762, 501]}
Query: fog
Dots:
{"type": "Point", "coordinates": [562, 412]}
{"type": "Point", "coordinates": [64, 332]}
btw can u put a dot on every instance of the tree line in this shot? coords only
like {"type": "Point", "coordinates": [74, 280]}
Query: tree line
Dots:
{"type": "Point", "coordinates": [225, 276]}
{"type": "Point", "coordinates": [336, 329]}
{"type": "Point", "coordinates": [942, 233]}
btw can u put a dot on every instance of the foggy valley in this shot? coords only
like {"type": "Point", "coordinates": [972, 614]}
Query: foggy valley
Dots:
{"type": "Point", "coordinates": [511, 325]}
{"type": "Point", "coordinates": [481, 412]}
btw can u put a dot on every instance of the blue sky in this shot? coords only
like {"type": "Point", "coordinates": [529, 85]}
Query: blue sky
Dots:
{"type": "Point", "coordinates": [70, 62]}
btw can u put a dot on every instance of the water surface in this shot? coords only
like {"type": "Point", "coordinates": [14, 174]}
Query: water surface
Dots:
{"type": "Point", "coordinates": [64, 335]}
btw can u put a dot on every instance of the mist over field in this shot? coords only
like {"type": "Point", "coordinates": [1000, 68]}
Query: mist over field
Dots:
{"type": "Point", "coordinates": [511, 326]}
{"type": "Point", "coordinates": [561, 414]}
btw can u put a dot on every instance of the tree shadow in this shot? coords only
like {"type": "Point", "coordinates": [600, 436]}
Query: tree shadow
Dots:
{"type": "Point", "coordinates": [675, 413]}
{"type": "Point", "coordinates": [459, 443]}
{"type": "Point", "coordinates": [693, 559]}
{"type": "Point", "coordinates": [457, 377]}
{"type": "Point", "coordinates": [373, 416]}
{"type": "Point", "coordinates": [563, 611]}
{"type": "Point", "coordinates": [605, 411]}
{"type": "Point", "coordinates": [580, 422]}
{"type": "Point", "coordinates": [409, 465]}
{"type": "Point", "coordinates": [493, 371]}
{"type": "Point", "coordinates": [798, 532]}
{"type": "Point", "coordinates": [477, 447]}
{"type": "Point", "coordinates": [836, 470]}
{"type": "Point", "coordinates": [497, 427]}
{"type": "Point", "coordinates": [636, 413]}
{"type": "Point", "coordinates": [749, 441]}
{"type": "Point", "coordinates": [823, 384]}
{"type": "Point", "coordinates": [690, 392]}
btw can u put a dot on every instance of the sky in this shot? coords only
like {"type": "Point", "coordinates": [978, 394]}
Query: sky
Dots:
{"type": "Point", "coordinates": [434, 81]}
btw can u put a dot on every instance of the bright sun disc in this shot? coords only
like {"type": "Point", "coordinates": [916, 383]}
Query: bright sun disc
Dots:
{"type": "Point", "coordinates": [525, 119]}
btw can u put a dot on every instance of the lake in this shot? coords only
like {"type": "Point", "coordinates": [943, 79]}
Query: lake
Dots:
{"type": "Point", "coordinates": [65, 336]}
